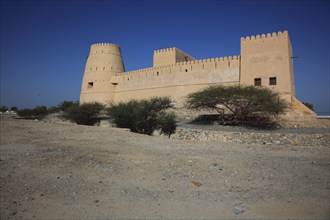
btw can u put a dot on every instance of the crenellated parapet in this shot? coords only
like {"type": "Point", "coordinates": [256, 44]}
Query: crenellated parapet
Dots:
{"type": "Point", "coordinates": [104, 44]}
{"type": "Point", "coordinates": [265, 36]}
{"type": "Point", "coordinates": [208, 64]}
{"type": "Point", "coordinates": [165, 50]}
{"type": "Point", "coordinates": [105, 48]}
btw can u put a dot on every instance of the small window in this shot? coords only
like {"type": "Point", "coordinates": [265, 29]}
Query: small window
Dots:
{"type": "Point", "coordinates": [257, 81]}
{"type": "Point", "coordinates": [157, 73]}
{"type": "Point", "coordinates": [90, 85]}
{"type": "Point", "coordinates": [186, 70]}
{"type": "Point", "coordinates": [272, 81]}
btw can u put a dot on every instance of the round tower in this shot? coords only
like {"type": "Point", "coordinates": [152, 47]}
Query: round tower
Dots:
{"type": "Point", "coordinates": [103, 62]}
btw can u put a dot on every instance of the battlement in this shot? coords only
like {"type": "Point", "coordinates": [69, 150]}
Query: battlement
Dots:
{"type": "Point", "coordinates": [198, 64]}
{"type": "Point", "coordinates": [165, 50]}
{"type": "Point", "coordinates": [266, 36]}
{"type": "Point", "coordinates": [104, 44]}
{"type": "Point", "coordinates": [170, 56]}
{"type": "Point", "coordinates": [105, 48]}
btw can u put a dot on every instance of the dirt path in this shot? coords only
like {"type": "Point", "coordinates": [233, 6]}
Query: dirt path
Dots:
{"type": "Point", "coordinates": [66, 171]}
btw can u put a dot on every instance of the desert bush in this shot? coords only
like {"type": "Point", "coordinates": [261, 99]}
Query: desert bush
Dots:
{"type": "Point", "coordinates": [236, 105]}
{"type": "Point", "coordinates": [166, 123]}
{"type": "Point", "coordinates": [53, 109]}
{"type": "Point", "coordinates": [309, 105]}
{"type": "Point", "coordinates": [13, 108]}
{"type": "Point", "coordinates": [64, 105]}
{"type": "Point", "coordinates": [39, 112]}
{"type": "Point", "coordinates": [144, 116]}
{"type": "Point", "coordinates": [3, 108]}
{"type": "Point", "coordinates": [84, 114]}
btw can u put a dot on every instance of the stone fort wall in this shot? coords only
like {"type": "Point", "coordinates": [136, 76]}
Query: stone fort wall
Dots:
{"type": "Point", "coordinates": [176, 80]}
{"type": "Point", "coordinates": [264, 60]}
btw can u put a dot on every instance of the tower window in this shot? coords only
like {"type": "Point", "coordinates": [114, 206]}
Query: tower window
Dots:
{"type": "Point", "coordinates": [90, 85]}
{"type": "Point", "coordinates": [257, 81]}
{"type": "Point", "coordinates": [272, 81]}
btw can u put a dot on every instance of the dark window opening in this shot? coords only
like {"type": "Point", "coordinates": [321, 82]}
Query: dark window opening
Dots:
{"type": "Point", "coordinates": [114, 84]}
{"type": "Point", "coordinates": [272, 81]}
{"type": "Point", "coordinates": [90, 85]}
{"type": "Point", "coordinates": [257, 81]}
{"type": "Point", "coordinates": [186, 70]}
{"type": "Point", "coordinates": [229, 63]}
{"type": "Point", "coordinates": [157, 73]}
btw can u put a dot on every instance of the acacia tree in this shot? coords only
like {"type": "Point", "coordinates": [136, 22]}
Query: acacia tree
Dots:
{"type": "Point", "coordinates": [238, 104]}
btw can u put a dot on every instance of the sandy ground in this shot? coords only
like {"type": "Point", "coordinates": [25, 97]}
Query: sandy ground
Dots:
{"type": "Point", "coordinates": [66, 171]}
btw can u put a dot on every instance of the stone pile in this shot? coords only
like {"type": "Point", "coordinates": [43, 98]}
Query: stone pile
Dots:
{"type": "Point", "coordinates": [283, 139]}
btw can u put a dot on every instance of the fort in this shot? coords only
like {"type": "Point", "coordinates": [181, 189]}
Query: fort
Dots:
{"type": "Point", "coordinates": [264, 60]}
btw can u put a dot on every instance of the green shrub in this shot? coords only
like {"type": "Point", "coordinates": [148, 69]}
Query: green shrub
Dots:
{"type": "Point", "coordinates": [166, 123]}
{"type": "Point", "coordinates": [84, 114]}
{"type": "Point", "coordinates": [309, 105]}
{"type": "Point", "coordinates": [63, 106]}
{"type": "Point", "coordinates": [39, 112]}
{"type": "Point", "coordinates": [144, 116]}
{"type": "Point", "coordinates": [53, 109]}
{"type": "Point", "coordinates": [13, 108]}
{"type": "Point", "coordinates": [3, 108]}
{"type": "Point", "coordinates": [239, 104]}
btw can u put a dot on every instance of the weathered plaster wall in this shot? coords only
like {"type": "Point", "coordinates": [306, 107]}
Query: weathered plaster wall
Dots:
{"type": "Point", "coordinates": [103, 62]}
{"type": "Point", "coordinates": [268, 56]}
{"type": "Point", "coordinates": [177, 80]}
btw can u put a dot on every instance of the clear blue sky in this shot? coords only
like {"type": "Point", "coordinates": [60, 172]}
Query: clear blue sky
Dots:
{"type": "Point", "coordinates": [44, 44]}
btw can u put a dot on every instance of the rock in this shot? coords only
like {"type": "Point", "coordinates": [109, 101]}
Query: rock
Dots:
{"type": "Point", "coordinates": [215, 167]}
{"type": "Point", "coordinates": [239, 208]}
{"type": "Point", "coordinates": [195, 183]}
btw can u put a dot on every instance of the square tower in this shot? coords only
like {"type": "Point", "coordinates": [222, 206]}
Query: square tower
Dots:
{"type": "Point", "coordinates": [170, 56]}
{"type": "Point", "coordinates": [266, 60]}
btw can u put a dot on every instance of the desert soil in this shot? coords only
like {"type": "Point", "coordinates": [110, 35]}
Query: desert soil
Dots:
{"type": "Point", "coordinates": [67, 171]}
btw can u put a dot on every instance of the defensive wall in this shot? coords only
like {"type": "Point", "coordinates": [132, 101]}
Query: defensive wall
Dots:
{"type": "Point", "coordinates": [264, 60]}
{"type": "Point", "coordinates": [176, 80]}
